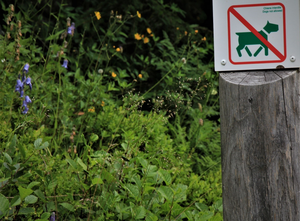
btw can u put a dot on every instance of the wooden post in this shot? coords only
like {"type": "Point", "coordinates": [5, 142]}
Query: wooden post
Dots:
{"type": "Point", "coordinates": [260, 140]}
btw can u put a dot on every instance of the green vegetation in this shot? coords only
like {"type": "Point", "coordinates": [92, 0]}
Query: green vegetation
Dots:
{"type": "Point", "coordinates": [122, 117]}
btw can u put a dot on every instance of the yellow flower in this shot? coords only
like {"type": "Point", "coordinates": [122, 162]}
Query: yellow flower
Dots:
{"type": "Point", "coordinates": [146, 40]}
{"type": "Point", "coordinates": [114, 46]}
{"type": "Point", "coordinates": [196, 31]}
{"type": "Point", "coordinates": [118, 49]}
{"type": "Point", "coordinates": [149, 30]}
{"type": "Point", "coordinates": [203, 39]}
{"type": "Point", "coordinates": [177, 28]}
{"type": "Point", "coordinates": [138, 14]}
{"type": "Point", "coordinates": [140, 75]}
{"type": "Point", "coordinates": [137, 36]}
{"type": "Point", "coordinates": [91, 109]}
{"type": "Point", "coordinates": [185, 33]}
{"type": "Point", "coordinates": [102, 103]}
{"type": "Point", "coordinates": [113, 75]}
{"type": "Point", "coordinates": [98, 15]}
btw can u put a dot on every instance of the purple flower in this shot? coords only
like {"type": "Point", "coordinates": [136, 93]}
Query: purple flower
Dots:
{"type": "Point", "coordinates": [52, 217]}
{"type": "Point", "coordinates": [19, 86]}
{"type": "Point", "coordinates": [26, 68]}
{"type": "Point", "coordinates": [71, 29]}
{"type": "Point", "coordinates": [65, 64]}
{"type": "Point", "coordinates": [28, 82]}
{"type": "Point", "coordinates": [27, 99]}
{"type": "Point", "coordinates": [25, 110]}
{"type": "Point", "coordinates": [25, 102]}
{"type": "Point", "coordinates": [21, 93]}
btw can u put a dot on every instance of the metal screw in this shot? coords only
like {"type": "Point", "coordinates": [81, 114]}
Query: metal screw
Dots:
{"type": "Point", "coordinates": [292, 58]}
{"type": "Point", "coordinates": [223, 62]}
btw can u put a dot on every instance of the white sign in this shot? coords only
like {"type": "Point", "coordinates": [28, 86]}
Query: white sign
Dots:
{"type": "Point", "coordinates": [256, 35]}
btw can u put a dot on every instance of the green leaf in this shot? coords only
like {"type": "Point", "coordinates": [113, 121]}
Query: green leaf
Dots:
{"type": "Point", "coordinates": [4, 205]}
{"type": "Point", "coordinates": [79, 161]}
{"type": "Point", "coordinates": [15, 201]}
{"type": "Point", "coordinates": [206, 216]}
{"type": "Point", "coordinates": [25, 211]}
{"type": "Point", "coordinates": [180, 192]}
{"type": "Point", "coordinates": [140, 212]}
{"type": "Point", "coordinates": [68, 206]}
{"type": "Point", "coordinates": [107, 176]}
{"type": "Point", "coordinates": [22, 150]}
{"type": "Point", "coordinates": [31, 199]}
{"type": "Point", "coordinates": [165, 176]}
{"type": "Point", "coordinates": [201, 206]}
{"type": "Point", "coordinates": [4, 179]}
{"type": "Point", "coordinates": [37, 143]}
{"type": "Point", "coordinates": [143, 162]}
{"type": "Point", "coordinates": [94, 137]}
{"type": "Point", "coordinates": [43, 146]}
{"type": "Point", "coordinates": [151, 217]}
{"type": "Point", "coordinates": [24, 192]}
{"type": "Point", "coordinates": [72, 163]}
{"type": "Point", "coordinates": [40, 194]}
{"type": "Point", "coordinates": [166, 192]}
{"type": "Point", "coordinates": [97, 180]}
{"type": "Point", "coordinates": [45, 215]}
{"type": "Point", "coordinates": [218, 205]}
{"type": "Point", "coordinates": [32, 184]}
{"type": "Point", "coordinates": [8, 158]}
{"type": "Point", "coordinates": [52, 184]}
{"type": "Point", "coordinates": [133, 189]}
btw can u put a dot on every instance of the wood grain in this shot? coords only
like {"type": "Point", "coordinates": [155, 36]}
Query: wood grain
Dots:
{"type": "Point", "coordinates": [260, 139]}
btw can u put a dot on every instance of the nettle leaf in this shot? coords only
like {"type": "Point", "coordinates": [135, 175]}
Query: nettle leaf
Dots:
{"type": "Point", "coordinates": [24, 192]}
{"type": "Point", "coordinates": [4, 205]}
{"type": "Point", "coordinates": [151, 217]}
{"type": "Point", "coordinates": [67, 206]}
{"type": "Point", "coordinates": [140, 212]}
{"type": "Point", "coordinates": [206, 216]}
{"type": "Point", "coordinates": [166, 192]}
{"type": "Point", "coordinates": [143, 162]}
{"type": "Point", "coordinates": [180, 192]}
{"type": "Point", "coordinates": [137, 181]}
{"type": "Point", "coordinates": [133, 189]}
{"type": "Point", "coordinates": [165, 176]}
{"type": "Point", "coordinates": [31, 199]}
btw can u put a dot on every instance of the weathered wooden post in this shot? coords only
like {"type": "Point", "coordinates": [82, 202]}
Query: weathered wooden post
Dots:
{"type": "Point", "coordinates": [260, 108]}
{"type": "Point", "coordinates": [260, 136]}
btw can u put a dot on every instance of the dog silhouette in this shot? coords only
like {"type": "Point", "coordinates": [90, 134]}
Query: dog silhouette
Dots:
{"type": "Point", "coordinates": [248, 38]}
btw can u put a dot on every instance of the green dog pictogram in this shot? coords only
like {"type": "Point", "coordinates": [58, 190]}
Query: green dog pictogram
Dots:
{"type": "Point", "coordinates": [248, 38]}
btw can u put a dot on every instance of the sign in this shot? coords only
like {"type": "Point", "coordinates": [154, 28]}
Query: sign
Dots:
{"type": "Point", "coordinates": [256, 35]}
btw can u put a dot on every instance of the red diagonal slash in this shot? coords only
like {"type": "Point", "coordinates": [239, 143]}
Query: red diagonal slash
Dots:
{"type": "Point", "coordinates": [256, 33]}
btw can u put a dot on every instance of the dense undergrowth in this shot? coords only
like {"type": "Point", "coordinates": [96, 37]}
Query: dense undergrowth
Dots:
{"type": "Point", "coordinates": [106, 114]}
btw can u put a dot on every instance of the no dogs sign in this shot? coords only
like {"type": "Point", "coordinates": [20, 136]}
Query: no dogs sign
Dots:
{"type": "Point", "coordinates": [256, 35]}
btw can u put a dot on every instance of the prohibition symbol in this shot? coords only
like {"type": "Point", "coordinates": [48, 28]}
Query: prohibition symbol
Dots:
{"type": "Point", "coordinates": [256, 33]}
